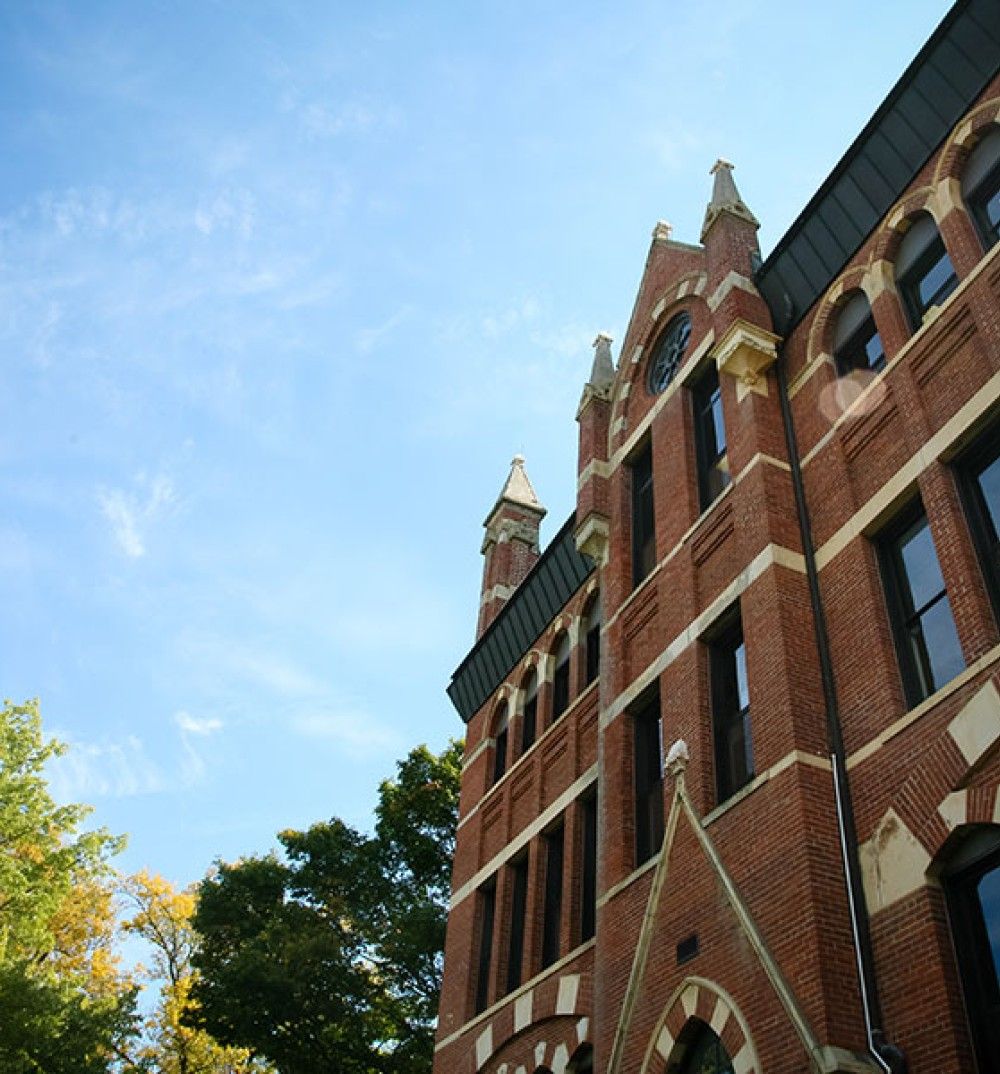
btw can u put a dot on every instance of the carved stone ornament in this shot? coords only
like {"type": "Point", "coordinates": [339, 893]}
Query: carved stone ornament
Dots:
{"type": "Point", "coordinates": [592, 537]}
{"type": "Point", "coordinates": [746, 352]}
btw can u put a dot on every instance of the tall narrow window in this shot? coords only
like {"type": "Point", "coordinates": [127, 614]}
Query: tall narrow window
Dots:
{"type": "Point", "coordinates": [552, 917]}
{"type": "Point", "coordinates": [981, 187]}
{"type": "Point", "coordinates": [926, 640]}
{"type": "Point", "coordinates": [856, 342]}
{"type": "Point", "coordinates": [592, 638]}
{"type": "Point", "coordinates": [484, 963]}
{"type": "Point", "coordinates": [588, 871]}
{"type": "Point", "coordinates": [730, 709]}
{"type": "Point", "coordinates": [643, 526]}
{"type": "Point", "coordinates": [980, 474]}
{"type": "Point", "coordinates": [972, 886]}
{"type": "Point", "coordinates": [529, 717]}
{"type": "Point", "coordinates": [700, 1051]}
{"type": "Point", "coordinates": [710, 438]}
{"type": "Point", "coordinates": [560, 678]}
{"type": "Point", "coordinates": [648, 763]}
{"type": "Point", "coordinates": [518, 904]}
{"type": "Point", "coordinates": [924, 273]}
{"type": "Point", "coordinates": [500, 745]}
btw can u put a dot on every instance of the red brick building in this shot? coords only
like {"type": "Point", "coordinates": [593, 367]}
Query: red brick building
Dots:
{"type": "Point", "coordinates": [730, 795]}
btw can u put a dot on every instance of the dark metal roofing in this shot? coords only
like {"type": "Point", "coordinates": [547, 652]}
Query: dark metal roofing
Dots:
{"type": "Point", "coordinates": [558, 574]}
{"type": "Point", "coordinates": [946, 76]}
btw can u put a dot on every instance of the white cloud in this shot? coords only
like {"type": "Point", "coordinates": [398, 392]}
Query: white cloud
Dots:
{"type": "Point", "coordinates": [368, 339]}
{"type": "Point", "coordinates": [104, 770]}
{"type": "Point", "coordinates": [193, 763]}
{"type": "Point", "coordinates": [129, 514]}
{"type": "Point", "coordinates": [352, 117]}
{"type": "Point", "coordinates": [228, 210]}
{"type": "Point", "coordinates": [357, 732]}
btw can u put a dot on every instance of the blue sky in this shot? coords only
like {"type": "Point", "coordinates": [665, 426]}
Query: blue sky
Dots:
{"type": "Point", "coordinates": [282, 289]}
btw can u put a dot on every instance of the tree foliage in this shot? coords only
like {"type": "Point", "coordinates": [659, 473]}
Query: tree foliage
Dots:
{"type": "Point", "coordinates": [66, 1005]}
{"type": "Point", "coordinates": [161, 916]}
{"type": "Point", "coordinates": [328, 957]}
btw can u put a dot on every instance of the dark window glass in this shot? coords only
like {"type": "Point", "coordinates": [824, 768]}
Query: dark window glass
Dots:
{"type": "Point", "coordinates": [529, 718]}
{"type": "Point", "coordinates": [487, 908]}
{"type": "Point", "coordinates": [500, 751]}
{"type": "Point", "coordinates": [643, 533]}
{"type": "Point", "coordinates": [648, 782]}
{"type": "Point", "coordinates": [972, 887]}
{"type": "Point", "coordinates": [981, 187]}
{"type": "Point", "coordinates": [702, 1052]}
{"type": "Point", "coordinates": [925, 275]}
{"type": "Point", "coordinates": [560, 679]}
{"type": "Point", "coordinates": [669, 353]}
{"type": "Point", "coordinates": [588, 879]}
{"type": "Point", "coordinates": [710, 438]}
{"type": "Point", "coordinates": [980, 472]}
{"type": "Point", "coordinates": [518, 903]}
{"type": "Point", "coordinates": [863, 350]}
{"type": "Point", "coordinates": [552, 918]}
{"type": "Point", "coordinates": [730, 710]}
{"type": "Point", "coordinates": [592, 662]}
{"type": "Point", "coordinates": [926, 640]}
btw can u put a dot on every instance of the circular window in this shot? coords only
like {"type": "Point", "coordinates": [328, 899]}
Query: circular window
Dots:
{"type": "Point", "coordinates": [669, 351]}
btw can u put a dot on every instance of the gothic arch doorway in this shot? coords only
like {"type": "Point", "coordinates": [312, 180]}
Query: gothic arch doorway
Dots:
{"type": "Point", "coordinates": [699, 1050]}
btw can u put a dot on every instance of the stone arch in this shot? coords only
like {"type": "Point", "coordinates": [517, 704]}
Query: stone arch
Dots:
{"type": "Point", "coordinates": [704, 1000]}
{"type": "Point", "coordinates": [898, 220]}
{"type": "Point", "coordinates": [819, 345]}
{"type": "Point", "coordinates": [963, 139]}
{"type": "Point", "coordinates": [553, 1016]}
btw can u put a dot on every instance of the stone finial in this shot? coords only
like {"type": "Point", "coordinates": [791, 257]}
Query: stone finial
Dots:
{"type": "Point", "coordinates": [677, 758]}
{"type": "Point", "coordinates": [602, 373]}
{"type": "Point", "coordinates": [517, 488]}
{"type": "Point", "coordinates": [663, 230]}
{"type": "Point", "coordinates": [725, 197]}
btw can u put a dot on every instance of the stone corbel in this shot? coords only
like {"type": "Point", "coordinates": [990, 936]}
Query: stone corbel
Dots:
{"type": "Point", "coordinates": [592, 537]}
{"type": "Point", "coordinates": [746, 352]}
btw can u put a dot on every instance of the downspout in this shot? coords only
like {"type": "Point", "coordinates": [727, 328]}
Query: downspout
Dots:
{"type": "Point", "coordinates": [888, 1056]}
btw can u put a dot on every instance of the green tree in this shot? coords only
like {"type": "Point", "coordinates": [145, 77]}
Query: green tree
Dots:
{"type": "Point", "coordinates": [66, 1006]}
{"type": "Point", "coordinates": [329, 956]}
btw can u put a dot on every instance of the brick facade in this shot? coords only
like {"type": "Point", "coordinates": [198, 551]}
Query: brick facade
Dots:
{"type": "Point", "coordinates": [742, 921]}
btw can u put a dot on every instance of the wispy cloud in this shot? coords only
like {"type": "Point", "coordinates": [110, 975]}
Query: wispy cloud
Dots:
{"type": "Point", "coordinates": [129, 514]}
{"type": "Point", "coordinates": [352, 117]}
{"type": "Point", "coordinates": [353, 730]}
{"type": "Point", "coordinates": [191, 728]}
{"type": "Point", "coordinates": [90, 770]}
{"type": "Point", "coordinates": [369, 339]}
{"type": "Point", "coordinates": [228, 209]}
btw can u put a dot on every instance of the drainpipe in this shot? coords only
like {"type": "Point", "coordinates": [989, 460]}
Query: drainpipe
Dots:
{"type": "Point", "coordinates": [888, 1056]}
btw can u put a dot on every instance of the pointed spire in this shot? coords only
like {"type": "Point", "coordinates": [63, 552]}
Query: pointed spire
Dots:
{"type": "Point", "coordinates": [517, 488]}
{"type": "Point", "coordinates": [725, 198]}
{"type": "Point", "coordinates": [602, 373]}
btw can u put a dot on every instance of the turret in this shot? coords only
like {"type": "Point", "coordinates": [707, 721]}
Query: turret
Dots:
{"type": "Point", "coordinates": [511, 542]}
{"type": "Point", "coordinates": [593, 417]}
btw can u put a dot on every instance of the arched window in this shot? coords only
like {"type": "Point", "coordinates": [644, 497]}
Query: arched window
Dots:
{"type": "Point", "coordinates": [971, 880]}
{"type": "Point", "coordinates": [529, 714]}
{"type": "Point", "coordinates": [924, 273]}
{"type": "Point", "coordinates": [560, 680]}
{"type": "Point", "coordinates": [699, 1051]}
{"type": "Point", "coordinates": [592, 639]}
{"type": "Point", "coordinates": [581, 1061]}
{"type": "Point", "coordinates": [500, 746]}
{"type": "Point", "coordinates": [856, 342]}
{"type": "Point", "coordinates": [981, 187]}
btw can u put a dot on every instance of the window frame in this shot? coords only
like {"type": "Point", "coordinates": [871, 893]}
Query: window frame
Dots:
{"type": "Point", "coordinates": [592, 621]}
{"type": "Point", "coordinates": [501, 744]}
{"type": "Point", "coordinates": [851, 355]}
{"type": "Point", "coordinates": [647, 778]}
{"type": "Point", "coordinates": [552, 904]}
{"type": "Point", "coordinates": [588, 867]}
{"type": "Point", "coordinates": [978, 193]}
{"type": "Point", "coordinates": [917, 673]}
{"type": "Point", "coordinates": [518, 873]}
{"type": "Point", "coordinates": [731, 715]}
{"type": "Point", "coordinates": [985, 530]}
{"type": "Point", "coordinates": [977, 856]}
{"type": "Point", "coordinates": [529, 711]}
{"type": "Point", "coordinates": [712, 463]}
{"type": "Point", "coordinates": [560, 675]}
{"type": "Point", "coordinates": [676, 336]}
{"type": "Point", "coordinates": [484, 959]}
{"type": "Point", "coordinates": [643, 514]}
{"type": "Point", "coordinates": [908, 282]}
